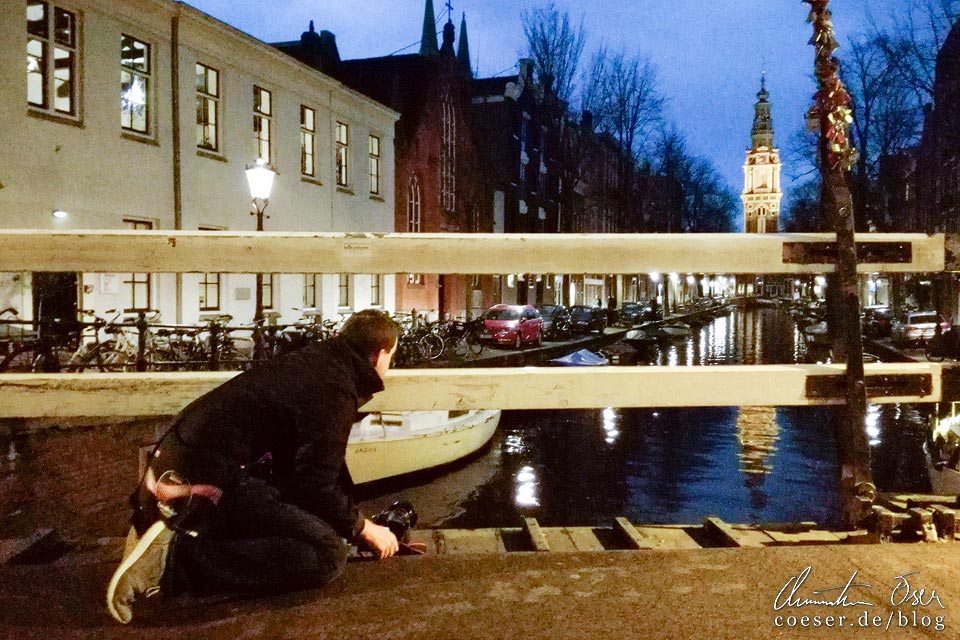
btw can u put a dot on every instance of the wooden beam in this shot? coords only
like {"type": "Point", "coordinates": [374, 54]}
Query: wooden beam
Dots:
{"type": "Point", "coordinates": [250, 252]}
{"type": "Point", "coordinates": [29, 395]}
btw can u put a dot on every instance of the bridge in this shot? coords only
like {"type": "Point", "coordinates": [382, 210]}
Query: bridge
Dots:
{"type": "Point", "coordinates": [129, 394]}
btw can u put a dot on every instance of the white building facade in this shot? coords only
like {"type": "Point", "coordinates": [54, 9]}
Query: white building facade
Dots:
{"type": "Point", "coordinates": [144, 114]}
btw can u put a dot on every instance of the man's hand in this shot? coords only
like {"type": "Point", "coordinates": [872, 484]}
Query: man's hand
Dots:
{"type": "Point", "coordinates": [379, 539]}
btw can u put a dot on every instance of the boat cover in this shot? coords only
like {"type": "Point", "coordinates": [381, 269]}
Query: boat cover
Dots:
{"type": "Point", "coordinates": [581, 358]}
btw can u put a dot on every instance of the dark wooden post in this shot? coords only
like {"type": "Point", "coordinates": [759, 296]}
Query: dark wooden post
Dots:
{"type": "Point", "coordinates": [833, 115]}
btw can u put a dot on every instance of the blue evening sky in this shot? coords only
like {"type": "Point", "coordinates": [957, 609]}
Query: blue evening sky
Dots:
{"type": "Point", "coordinates": [708, 53]}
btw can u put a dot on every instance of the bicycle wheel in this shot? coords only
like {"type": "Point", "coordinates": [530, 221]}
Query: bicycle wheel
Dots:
{"type": "Point", "coordinates": [19, 360]}
{"type": "Point", "coordinates": [459, 347]}
{"type": "Point", "coordinates": [933, 349]}
{"type": "Point", "coordinates": [46, 362]}
{"type": "Point", "coordinates": [474, 343]}
{"type": "Point", "coordinates": [431, 346]}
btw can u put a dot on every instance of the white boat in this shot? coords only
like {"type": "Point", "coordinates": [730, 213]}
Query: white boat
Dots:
{"type": "Point", "coordinates": [387, 444]}
{"type": "Point", "coordinates": [675, 330]}
{"type": "Point", "coordinates": [943, 456]}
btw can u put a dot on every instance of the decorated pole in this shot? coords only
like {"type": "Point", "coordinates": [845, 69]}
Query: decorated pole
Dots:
{"type": "Point", "coordinates": [832, 115]}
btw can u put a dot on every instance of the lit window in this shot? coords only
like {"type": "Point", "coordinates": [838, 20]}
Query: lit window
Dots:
{"type": "Point", "coordinates": [374, 164]}
{"type": "Point", "coordinates": [262, 122]}
{"type": "Point", "coordinates": [134, 84]}
{"type": "Point", "coordinates": [51, 59]}
{"type": "Point", "coordinates": [208, 108]}
{"type": "Point", "coordinates": [308, 135]}
{"type": "Point", "coordinates": [342, 154]}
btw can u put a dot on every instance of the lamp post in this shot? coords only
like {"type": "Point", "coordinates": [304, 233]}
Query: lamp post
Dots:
{"type": "Point", "coordinates": [260, 180]}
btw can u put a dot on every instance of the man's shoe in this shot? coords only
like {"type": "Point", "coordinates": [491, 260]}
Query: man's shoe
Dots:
{"type": "Point", "coordinates": [140, 571]}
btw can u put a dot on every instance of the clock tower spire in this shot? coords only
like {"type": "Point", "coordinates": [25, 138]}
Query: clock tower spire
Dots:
{"type": "Point", "coordinates": [761, 173]}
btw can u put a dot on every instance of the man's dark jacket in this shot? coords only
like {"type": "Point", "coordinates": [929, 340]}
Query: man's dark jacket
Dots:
{"type": "Point", "coordinates": [298, 408]}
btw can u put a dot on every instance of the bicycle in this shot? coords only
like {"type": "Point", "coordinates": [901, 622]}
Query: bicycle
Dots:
{"type": "Point", "coordinates": [39, 349]}
{"type": "Point", "coordinates": [461, 339]}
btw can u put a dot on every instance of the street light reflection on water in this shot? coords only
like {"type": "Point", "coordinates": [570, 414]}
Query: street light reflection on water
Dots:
{"type": "Point", "coordinates": [675, 466]}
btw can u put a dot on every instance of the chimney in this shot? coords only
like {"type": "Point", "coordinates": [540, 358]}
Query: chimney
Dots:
{"type": "Point", "coordinates": [526, 68]}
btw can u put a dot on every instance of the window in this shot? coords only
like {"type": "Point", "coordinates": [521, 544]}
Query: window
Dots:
{"type": "Point", "coordinates": [51, 59]}
{"type": "Point", "coordinates": [413, 205]}
{"type": "Point", "coordinates": [266, 291]}
{"type": "Point", "coordinates": [209, 284]}
{"type": "Point", "coordinates": [134, 85]}
{"type": "Point", "coordinates": [342, 155]}
{"type": "Point", "coordinates": [311, 289]}
{"type": "Point", "coordinates": [308, 135]}
{"type": "Point", "coordinates": [344, 299]}
{"type": "Point", "coordinates": [209, 292]}
{"type": "Point", "coordinates": [262, 122]}
{"type": "Point", "coordinates": [413, 219]}
{"type": "Point", "coordinates": [208, 108]}
{"type": "Point", "coordinates": [374, 164]}
{"type": "Point", "coordinates": [523, 150]}
{"type": "Point", "coordinates": [136, 286]}
{"type": "Point", "coordinates": [376, 290]}
{"type": "Point", "coordinates": [448, 155]}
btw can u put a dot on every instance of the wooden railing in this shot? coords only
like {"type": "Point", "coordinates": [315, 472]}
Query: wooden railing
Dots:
{"type": "Point", "coordinates": [128, 394]}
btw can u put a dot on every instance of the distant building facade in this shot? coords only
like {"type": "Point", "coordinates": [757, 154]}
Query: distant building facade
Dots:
{"type": "Point", "coordinates": [143, 114]}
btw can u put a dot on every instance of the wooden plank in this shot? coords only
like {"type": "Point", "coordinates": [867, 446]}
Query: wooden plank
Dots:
{"type": "Point", "coordinates": [558, 540]}
{"type": "Point", "coordinates": [452, 541]}
{"type": "Point", "coordinates": [491, 253]}
{"type": "Point", "coordinates": [29, 395]}
{"type": "Point", "coordinates": [584, 539]}
{"type": "Point", "coordinates": [535, 533]}
{"type": "Point", "coordinates": [667, 538]}
{"type": "Point", "coordinates": [630, 533]}
{"type": "Point", "coordinates": [721, 531]}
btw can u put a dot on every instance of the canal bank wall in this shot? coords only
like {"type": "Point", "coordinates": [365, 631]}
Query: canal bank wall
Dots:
{"type": "Point", "coordinates": [894, 591]}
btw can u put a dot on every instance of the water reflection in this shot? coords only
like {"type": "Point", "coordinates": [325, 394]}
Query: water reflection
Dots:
{"type": "Point", "coordinates": [744, 464]}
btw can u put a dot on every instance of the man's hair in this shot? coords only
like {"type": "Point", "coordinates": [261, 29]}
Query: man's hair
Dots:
{"type": "Point", "coordinates": [370, 331]}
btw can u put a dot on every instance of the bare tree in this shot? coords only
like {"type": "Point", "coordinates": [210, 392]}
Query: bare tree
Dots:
{"type": "Point", "coordinates": [911, 51]}
{"type": "Point", "coordinates": [556, 47]}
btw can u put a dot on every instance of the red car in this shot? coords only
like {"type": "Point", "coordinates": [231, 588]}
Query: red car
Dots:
{"type": "Point", "coordinates": [512, 324]}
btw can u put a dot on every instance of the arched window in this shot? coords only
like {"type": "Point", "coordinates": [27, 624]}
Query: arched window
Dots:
{"type": "Point", "coordinates": [413, 204]}
{"type": "Point", "coordinates": [413, 218]}
{"type": "Point", "coordinates": [448, 154]}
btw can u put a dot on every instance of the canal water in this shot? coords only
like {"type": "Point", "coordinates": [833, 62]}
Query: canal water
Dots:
{"type": "Point", "coordinates": [673, 466]}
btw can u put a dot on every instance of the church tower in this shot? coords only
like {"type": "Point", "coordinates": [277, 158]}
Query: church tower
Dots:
{"type": "Point", "coordinates": [761, 174]}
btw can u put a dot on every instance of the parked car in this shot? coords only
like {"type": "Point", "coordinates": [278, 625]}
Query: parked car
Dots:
{"type": "Point", "coordinates": [556, 321]}
{"type": "Point", "coordinates": [512, 324]}
{"type": "Point", "coordinates": [877, 321]}
{"type": "Point", "coordinates": [631, 313]}
{"type": "Point", "coordinates": [584, 319]}
{"type": "Point", "coordinates": [918, 326]}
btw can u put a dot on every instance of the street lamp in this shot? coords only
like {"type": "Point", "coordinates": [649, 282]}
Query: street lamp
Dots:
{"type": "Point", "coordinates": [260, 180]}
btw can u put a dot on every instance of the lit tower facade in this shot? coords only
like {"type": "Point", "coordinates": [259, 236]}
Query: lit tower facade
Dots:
{"type": "Point", "coordinates": [761, 173]}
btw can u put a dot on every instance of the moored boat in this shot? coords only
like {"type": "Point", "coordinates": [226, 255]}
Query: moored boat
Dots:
{"type": "Point", "coordinates": [943, 456]}
{"type": "Point", "coordinates": [387, 444]}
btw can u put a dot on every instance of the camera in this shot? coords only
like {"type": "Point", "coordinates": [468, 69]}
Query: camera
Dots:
{"type": "Point", "coordinates": [399, 517]}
